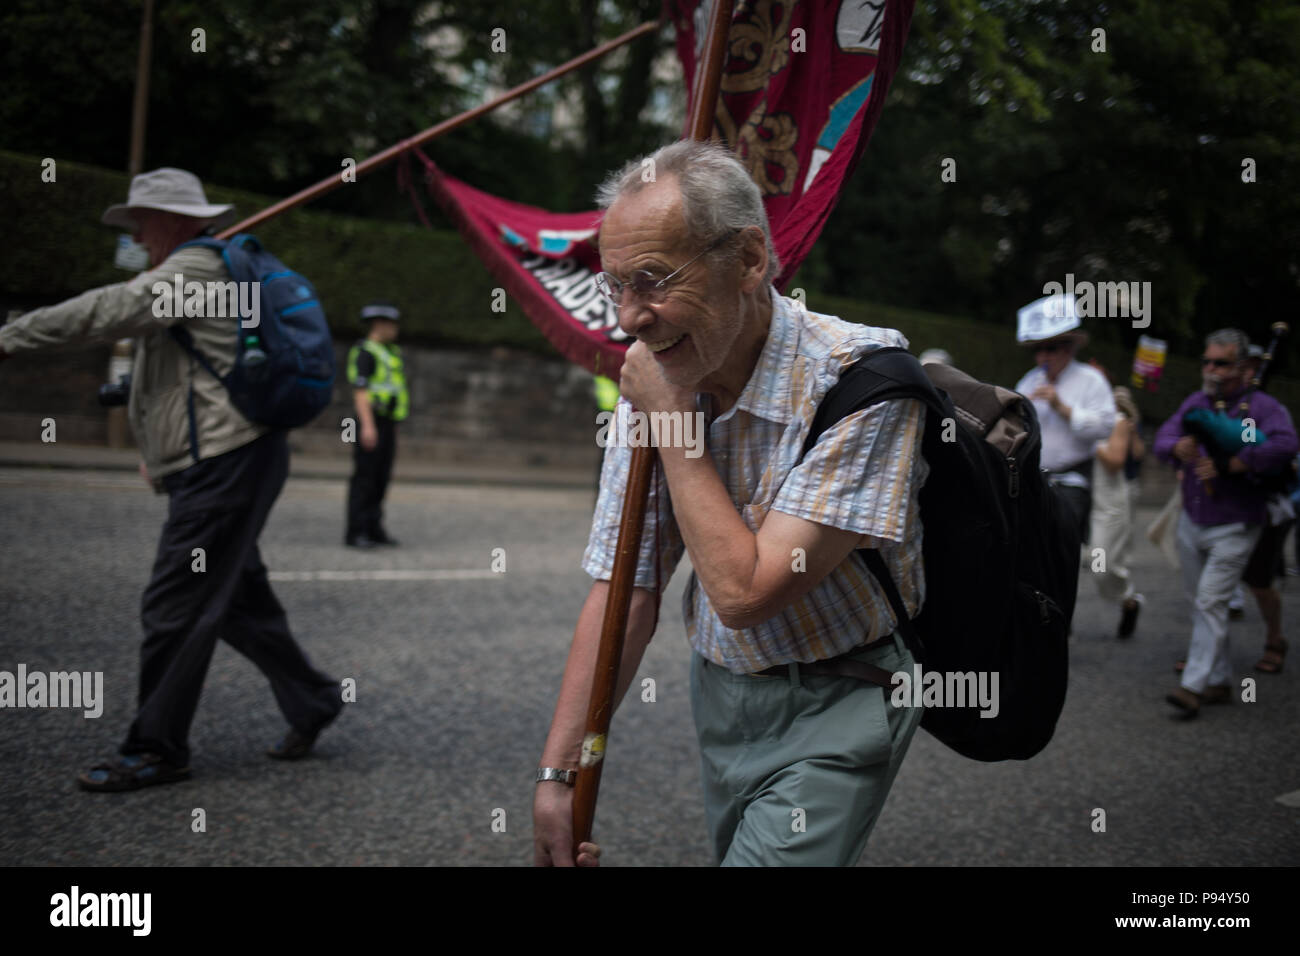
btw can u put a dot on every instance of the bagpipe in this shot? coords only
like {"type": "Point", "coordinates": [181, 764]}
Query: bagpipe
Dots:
{"type": "Point", "coordinates": [1223, 435]}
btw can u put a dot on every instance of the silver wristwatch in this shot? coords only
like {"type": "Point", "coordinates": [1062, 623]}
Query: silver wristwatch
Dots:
{"type": "Point", "coordinates": [554, 773]}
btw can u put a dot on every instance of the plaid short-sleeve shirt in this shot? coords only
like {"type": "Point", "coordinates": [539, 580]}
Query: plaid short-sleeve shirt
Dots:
{"type": "Point", "coordinates": [863, 475]}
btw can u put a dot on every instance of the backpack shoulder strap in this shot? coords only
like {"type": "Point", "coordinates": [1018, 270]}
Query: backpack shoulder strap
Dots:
{"type": "Point", "coordinates": [186, 341]}
{"type": "Point", "coordinates": [879, 376]}
{"type": "Point", "coordinates": [206, 242]}
{"type": "Point", "coordinates": [178, 331]}
{"type": "Point", "coordinates": [209, 242]}
{"type": "Point", "coordinates": [233, 253]}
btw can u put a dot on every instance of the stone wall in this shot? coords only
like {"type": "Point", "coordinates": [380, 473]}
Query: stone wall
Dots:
{"type": "Point", "coordinates": [494, 406]}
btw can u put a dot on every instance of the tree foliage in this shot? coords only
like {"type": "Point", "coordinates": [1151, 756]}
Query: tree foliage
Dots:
{"type": "Point", "coordinates": [284, 91]}
{"type": "Point", "coordinates": [1122, 164]}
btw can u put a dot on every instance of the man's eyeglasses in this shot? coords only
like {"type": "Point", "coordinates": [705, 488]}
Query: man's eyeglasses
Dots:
{"type": "Point", "coordinates": [1217, 362]}
{"type": "Point", "coordinates": [646, 285]}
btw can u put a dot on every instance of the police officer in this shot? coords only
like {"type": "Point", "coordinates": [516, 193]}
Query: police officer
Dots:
{"type": "Point", "coordinates": [379, 393]}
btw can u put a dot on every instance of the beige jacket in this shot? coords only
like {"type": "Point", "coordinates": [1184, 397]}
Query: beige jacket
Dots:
{"type": "Point", "coordinates": [164, 373]}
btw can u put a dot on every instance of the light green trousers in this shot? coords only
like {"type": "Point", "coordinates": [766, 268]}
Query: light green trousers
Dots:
{"type": "Point", "coordinates": [796, 769]}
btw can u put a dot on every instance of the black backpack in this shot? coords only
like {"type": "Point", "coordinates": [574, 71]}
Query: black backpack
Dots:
{"type": "Point", "coordinates": [1001, 551]}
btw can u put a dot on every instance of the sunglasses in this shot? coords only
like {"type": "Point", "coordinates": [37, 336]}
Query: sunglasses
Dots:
{"type": "Point", "coordinates": [1050, 347]}
{"type": "Point", "coordinates": [646, 285]}
{"type": "Point", "coordinates": [1217, 363]}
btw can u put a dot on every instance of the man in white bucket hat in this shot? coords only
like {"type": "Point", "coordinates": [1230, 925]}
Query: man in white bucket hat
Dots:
{"type": "Point", "coordinates": [221, 471]}
{"type": "Point", "coordinates": [1074, 402]}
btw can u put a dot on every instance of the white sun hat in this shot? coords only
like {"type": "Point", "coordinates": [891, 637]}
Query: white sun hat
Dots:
{"type": "Point", "coordinates": [1051, 317]}
{"type": "Point", "coordinates": [170, 190]}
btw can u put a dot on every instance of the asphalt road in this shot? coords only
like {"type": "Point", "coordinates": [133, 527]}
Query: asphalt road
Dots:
{"type": "Point", "coordinates": [456, 668]}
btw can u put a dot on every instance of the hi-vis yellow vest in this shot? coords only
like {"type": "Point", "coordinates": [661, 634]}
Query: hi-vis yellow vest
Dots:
{"type": "Point", "coordinates": [606, 393]}
{"type": "Point", "coordinates": [387, 386]}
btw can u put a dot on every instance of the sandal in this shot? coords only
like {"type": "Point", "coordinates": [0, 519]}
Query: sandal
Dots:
{"type": "Point", "coordinates": [131, 772]}
{"type": "Point", "coordinates": [1271, 662]}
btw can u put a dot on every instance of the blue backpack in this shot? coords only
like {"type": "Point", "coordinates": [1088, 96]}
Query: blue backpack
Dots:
{"type": "Point", "coordinates": [283, 374]}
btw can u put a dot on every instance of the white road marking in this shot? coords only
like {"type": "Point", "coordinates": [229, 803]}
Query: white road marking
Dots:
{"type": "Point", "coordinates": [446, 574]}
{"type": "Point", "coordinates": [1291, 799]}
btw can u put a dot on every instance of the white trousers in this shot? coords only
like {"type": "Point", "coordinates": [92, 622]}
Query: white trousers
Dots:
{"type": "Point", "coordinates": [1114, 512]}
{"type": "Point", "coordinates": [1213, 558]}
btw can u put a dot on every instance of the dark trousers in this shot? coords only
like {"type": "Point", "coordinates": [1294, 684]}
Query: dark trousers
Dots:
{"type": "Point", "coordinates": [370, 473]}
{"type": "Point", "coordinates": [1079, 501]}
{"type": "Point", "coordinates": [1267, 561]}
{"type": "Point", "coordinates": [219, 505]}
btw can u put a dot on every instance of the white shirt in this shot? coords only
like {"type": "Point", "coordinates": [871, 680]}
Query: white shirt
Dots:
{"type": "Point", "coordinates": [1092, 415]}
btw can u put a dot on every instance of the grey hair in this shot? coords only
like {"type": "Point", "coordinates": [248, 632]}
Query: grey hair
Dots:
{"type": "Point", "coordinates": [717, 193]}
{"type": "Point", "coordinates": [1234, 337]}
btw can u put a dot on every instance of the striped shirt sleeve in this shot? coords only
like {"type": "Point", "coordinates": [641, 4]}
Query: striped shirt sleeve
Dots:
{"type": "Point", "coordinates": [860, 476]}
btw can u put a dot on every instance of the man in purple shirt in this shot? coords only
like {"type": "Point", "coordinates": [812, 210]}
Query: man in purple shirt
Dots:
{"type": "Point", "coordinates": [1223, 508]}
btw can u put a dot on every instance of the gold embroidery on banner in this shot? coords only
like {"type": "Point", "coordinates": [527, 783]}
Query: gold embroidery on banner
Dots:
{"type": "Point", "coordinates": [758, 41]}
{"type": "Point", "coordinates": [763, 140]}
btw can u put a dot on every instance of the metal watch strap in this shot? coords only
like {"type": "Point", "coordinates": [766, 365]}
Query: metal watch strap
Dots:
{"type": "Point", "coordinates": [555, 773]}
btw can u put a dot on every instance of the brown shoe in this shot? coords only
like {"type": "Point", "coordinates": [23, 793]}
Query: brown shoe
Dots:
{"type": "Point", "coordinates": [1217, 695]}
{"type": "Point", "coordinates": [1187, 702]}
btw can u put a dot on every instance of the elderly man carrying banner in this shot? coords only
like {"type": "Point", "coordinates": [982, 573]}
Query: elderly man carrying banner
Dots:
{"type": "Point", "coordinates": [796, 767]}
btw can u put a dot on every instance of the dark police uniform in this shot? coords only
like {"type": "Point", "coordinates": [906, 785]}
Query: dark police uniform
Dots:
{"type": "Point", "coordinates": [376, 367]}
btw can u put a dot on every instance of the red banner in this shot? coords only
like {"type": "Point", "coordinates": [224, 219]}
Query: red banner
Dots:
{"type": "Point", "coordinates": [545, 263]}
{"type": "Point", "coordinates": [802, 88]}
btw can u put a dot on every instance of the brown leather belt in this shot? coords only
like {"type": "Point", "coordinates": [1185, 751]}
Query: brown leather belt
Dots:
{"type": "Point", "coordinates": [840, 666]}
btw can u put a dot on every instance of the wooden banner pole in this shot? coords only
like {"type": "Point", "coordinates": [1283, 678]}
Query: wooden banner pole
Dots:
{"type": "Point", "coordinates": [600, 709]}
{"type": "Point", "coordinates": [433, 132]}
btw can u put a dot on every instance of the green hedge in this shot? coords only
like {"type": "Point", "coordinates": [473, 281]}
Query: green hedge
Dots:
{"type": "Point", "coordinates": [58, 248]}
